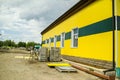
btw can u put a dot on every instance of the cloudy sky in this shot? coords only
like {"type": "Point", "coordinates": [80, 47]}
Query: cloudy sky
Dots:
{"type": "Point", "coordinates": [23, 20]}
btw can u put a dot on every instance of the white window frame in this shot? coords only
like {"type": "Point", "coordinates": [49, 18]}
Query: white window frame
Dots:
{"type": "Point", "coordinates": [55, 39]}
{"type": "Point", "coordinates": [73, 36]}
{"type": "Point", "coordinates": [46, 41]}
{"type": "Point", "coordinates": [62, 39]}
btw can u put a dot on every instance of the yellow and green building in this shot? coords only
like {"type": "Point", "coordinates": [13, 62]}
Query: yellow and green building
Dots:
{"type": "Point", "coordinates": [88, 33]}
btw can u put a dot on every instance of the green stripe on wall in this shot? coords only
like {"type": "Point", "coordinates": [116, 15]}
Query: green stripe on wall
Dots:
{"type": "Point", "coordinates": [47, 40]}
{"type": "Point", "coordinates": [118, 22]}
{"type": "Point", "coordinates": [52, 39]}
{"type": "Point", "coordinates": [99, 27]}
{"type": "Point", "coordinates": [67, 35]}
{"type": "Point", "coordinates": [58, 38]}
{"type": "Point", "coordinates": [43, 42]}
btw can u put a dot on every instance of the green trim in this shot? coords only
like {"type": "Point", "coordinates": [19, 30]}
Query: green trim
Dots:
{"type": "Point", "coordinates": [58, 38]}
{"type": "Point", "coordinates": [118, 22]}
{"type": "Point", "coordinates": [118, 72]}
{"type": "Point", "coordinates": [47, 40]}
{"type": "Point", "coordinates": [43, 42]}
{"type": "Point", "coordinates": [67, 35]}
{"type": "Point", "coordinates": [99, 27]}
{"type": "Point", "coordinates": [96, 28]}
{"type": "Point", "coordinates": [52, 39]}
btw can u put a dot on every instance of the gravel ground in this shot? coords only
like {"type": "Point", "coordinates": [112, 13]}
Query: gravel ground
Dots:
{"type": "Point", "coordinates": [12, 68]}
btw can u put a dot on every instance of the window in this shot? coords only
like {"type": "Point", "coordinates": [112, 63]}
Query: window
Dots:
{"type": "Point", "coordinates": [75, 37]}
{"type": "Point", "coordinates": [62, 39]}
{"type": "Point", "coordinates": [55, 38]}
{"type": "Point", "coordinates": [46, 41]}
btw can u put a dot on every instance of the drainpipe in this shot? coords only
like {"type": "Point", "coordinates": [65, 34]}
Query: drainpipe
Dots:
{"type": "Point", "coordinates": [114, 29]}
{"type": "Point", "coordinates": [116, 39]}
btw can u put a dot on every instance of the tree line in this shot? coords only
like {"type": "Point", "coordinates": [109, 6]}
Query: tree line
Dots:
{"type": "Point", "coordinates": [10, 43]}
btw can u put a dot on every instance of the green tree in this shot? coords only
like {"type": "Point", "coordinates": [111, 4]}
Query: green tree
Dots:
{"type": "Point", "coordinates": [7, 43]}
{"type": "Point", "coordinates": [1, 43]}
{"type": "Point", "coordinates": [21, 44]}
{"type": "Point", "coordinates": [31, 44]}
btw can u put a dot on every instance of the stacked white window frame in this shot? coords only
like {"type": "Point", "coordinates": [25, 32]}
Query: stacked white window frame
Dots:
{"type": "Point", "coordinates": [62, 39]}
{"type": "Point", "coordinates": [74, 36]}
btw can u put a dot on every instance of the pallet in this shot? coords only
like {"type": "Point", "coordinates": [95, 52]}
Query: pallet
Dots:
{"type": "Point", "coordinates": [68, 69]}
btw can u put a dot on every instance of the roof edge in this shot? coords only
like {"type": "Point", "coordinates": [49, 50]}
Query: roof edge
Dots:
{"type": "Point", "coordinates": [78, 6]}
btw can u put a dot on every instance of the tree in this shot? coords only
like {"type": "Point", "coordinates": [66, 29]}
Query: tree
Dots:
{"type": "Point", "coordinates": [7, 43]}
{"type": "Point", "coordinates": [21, 44]}
{"type": "Point", "coordinates": [1, 43]}
{"type": "Point", "coordinates": [31, 44]}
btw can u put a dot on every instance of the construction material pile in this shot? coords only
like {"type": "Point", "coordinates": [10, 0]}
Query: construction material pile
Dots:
{"type": "Point", "coordinates": [53, 54]}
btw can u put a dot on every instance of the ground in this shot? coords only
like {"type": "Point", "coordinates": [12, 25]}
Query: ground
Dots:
{"type": "Point", "coordinates": [14, 68]}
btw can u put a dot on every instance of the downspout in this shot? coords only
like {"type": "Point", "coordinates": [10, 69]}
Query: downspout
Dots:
{"type": "Point", "coordinates": [113, 31]}
{"type": "Point", "coordinates": [116, 40]}
{"type": "Point", "coordinates": [114, 28]}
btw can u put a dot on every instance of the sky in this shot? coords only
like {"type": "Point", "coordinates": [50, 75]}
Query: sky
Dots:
{"type": "Point", "coordinates": [23, 20]}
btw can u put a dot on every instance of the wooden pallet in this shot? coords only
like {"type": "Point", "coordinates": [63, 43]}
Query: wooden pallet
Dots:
{"type": "Point", "coordinates": [65, 69]}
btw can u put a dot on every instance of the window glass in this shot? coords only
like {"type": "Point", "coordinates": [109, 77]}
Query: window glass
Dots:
{"type": "Point", "coordinates": [75, 37]}
{"type": "Point", "coordinates": [62, 39]}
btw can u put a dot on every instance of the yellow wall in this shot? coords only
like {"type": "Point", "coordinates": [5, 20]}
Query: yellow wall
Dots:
{"type": "Point", "coordinates": [117, 13]}
{"type": "Point", "coordinates": [117, 7]}
{"type": "Point", "coordinates": [94, 12]}
{"type": "Point", "coordinates": [97, 46]}
{"type": "Point", "coordinates": [118, 55]}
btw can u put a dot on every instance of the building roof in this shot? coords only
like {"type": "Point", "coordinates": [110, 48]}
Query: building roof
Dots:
{"type": "Point", "coordinates": [77, 7]}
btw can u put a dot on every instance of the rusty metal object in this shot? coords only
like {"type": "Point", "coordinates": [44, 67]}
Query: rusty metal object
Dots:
{"type": "Point", "coordinates": [94, 73]}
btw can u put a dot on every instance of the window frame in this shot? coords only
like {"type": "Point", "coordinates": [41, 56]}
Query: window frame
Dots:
{"type": "Point", "coordinates": [46, 41]}
{"type": "Point", "coordinates": [55, 40]}
{"type": "Point", "coordinates": [73, 36]}
{"type": "Point", "coordinates": [62, 40]}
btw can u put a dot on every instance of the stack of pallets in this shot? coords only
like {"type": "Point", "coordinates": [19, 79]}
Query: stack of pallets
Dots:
{"type": "Point", "coordinates": [43, 54]}
{"type": "Point", "coordinates": [54, 54]}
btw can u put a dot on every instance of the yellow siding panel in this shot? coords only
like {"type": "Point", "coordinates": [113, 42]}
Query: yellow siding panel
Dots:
{"type": "Point", "coordinates": [98, 46]}
{"type": "Point", "coordinates": [118, 55]}
{"type": "Point", "coordinates": [94, 12]}
{"type": "Point", "coordinates": [117, 8]}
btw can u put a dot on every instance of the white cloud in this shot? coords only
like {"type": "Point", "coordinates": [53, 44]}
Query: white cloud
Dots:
{"type": "Point", "coordinates": [23, 20]}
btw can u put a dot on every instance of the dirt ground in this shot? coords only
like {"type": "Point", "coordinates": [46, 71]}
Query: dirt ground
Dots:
{"type": "Point", "coordinates": [13, 68]}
